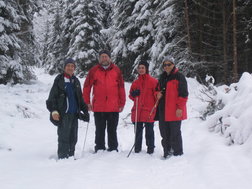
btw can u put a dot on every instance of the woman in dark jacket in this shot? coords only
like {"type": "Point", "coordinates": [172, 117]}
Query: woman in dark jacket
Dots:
{"type": "Point", "coordinates": [143, 93]}
{"type": "Point", "coordinates": [172, 95]}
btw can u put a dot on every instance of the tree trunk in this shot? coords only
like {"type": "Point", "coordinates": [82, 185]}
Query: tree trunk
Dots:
{"type": "Point", "coordinates": [187, 26]}
{"type": "Point", "coordinates": [235, 72]}
{"type": "Point", "coordinates": [224, 42]}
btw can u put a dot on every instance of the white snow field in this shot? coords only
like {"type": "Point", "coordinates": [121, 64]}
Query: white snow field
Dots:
{"type": "Point", "coordinates": [28, 144]}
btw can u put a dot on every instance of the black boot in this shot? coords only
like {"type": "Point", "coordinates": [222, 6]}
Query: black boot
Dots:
{"type": "Point", "coordinates": [99, 148]}
{"type": "Point", "coordinates": [150, 150]}
{"type": "Point", "coordinates": [137, 150]}
{"type": "Point", "coordinates": [111, 149]}
{"type": "Point", "coordinates": [167, 154]}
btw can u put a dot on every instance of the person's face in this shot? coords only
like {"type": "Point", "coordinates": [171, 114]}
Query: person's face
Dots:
{"type": "Point", "coordinates": [141, 69]}
{"type": "Point", "coordinates": [168, 66]}
{"type": "Point", "coordinates": [104, 59]}
{"type": "Point", "coordinates": [69, 69]}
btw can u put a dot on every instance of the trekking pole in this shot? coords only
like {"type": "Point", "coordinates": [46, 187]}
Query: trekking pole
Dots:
{"type": "Point", "coordinates": [83, 148]}
{"type": "Point", "coordinates": [135, 128]}
{"type": "Point", "coordinates": [152, 110]}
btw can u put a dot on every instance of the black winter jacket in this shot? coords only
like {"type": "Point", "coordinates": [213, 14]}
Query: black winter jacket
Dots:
{"type": "Point", "coordinates": [57, 97]}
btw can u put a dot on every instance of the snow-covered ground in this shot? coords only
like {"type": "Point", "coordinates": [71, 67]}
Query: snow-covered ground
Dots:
{"type": "Point", "coordinates": [28, 144]}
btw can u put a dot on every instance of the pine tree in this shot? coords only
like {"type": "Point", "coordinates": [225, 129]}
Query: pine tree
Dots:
{"type": "Point", "coordinates": [105, 10]}
{"type": "Point", "coordinates": [26, 8]}
{"type": "Point", "coordinates": [86, 38]}
{"type": "Point", "coordinates": [170, 34]}
{"type": "Point", "coordinates": [220, 38]}
{"type": "Point", "coordinates": [16, 41]}
{"type": "Point", "coordinates": [131, 34]}
{"type": "Point", "coordinates": [53, 56]}
{"type": "Point", "coordinates": [244, 35]}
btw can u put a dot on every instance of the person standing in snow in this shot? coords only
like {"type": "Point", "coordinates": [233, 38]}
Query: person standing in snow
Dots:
{"type": "Point", "coordinates": [65, 104]}
{"type": "Point", "coordinates": [172, 95]}
{"type": "Point", "coordinates": [108, 99]}
{"type": "Point", "coordinates": [143, 93]}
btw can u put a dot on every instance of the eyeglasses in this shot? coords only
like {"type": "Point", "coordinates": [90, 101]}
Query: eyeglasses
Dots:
{"type": "Point", "coordinates": [164, 65]}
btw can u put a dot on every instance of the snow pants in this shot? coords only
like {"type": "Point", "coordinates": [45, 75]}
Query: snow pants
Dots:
{"type": "Point", "coordinates": [67, 135]}
{"type": "Point", "coordinates": [105, 120]}
{"type": "Point", "coordinates": [171, 137]}
{"type": "Point", "coordinates": [149, 136]}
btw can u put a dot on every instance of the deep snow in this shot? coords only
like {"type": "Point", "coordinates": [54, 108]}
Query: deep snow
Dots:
{"type": "Point", "coordinates": [28, 144]}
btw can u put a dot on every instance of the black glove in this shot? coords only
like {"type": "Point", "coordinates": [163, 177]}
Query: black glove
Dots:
{"type": "Point", "coordinates": [84, 116]}
{"type": "Point", "coordinates": [135, 93]}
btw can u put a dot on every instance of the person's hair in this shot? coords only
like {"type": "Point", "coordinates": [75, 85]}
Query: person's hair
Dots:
{"type": "Point", "coordinates": [145, 64]}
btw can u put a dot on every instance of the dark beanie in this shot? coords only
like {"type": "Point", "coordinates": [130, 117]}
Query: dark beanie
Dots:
{"type": "Point", "coordinates": [105, 52]}
{"type": "Point", "coordinates": [146, 65]}
{"type": "Point", "coordinates": [69, 61]}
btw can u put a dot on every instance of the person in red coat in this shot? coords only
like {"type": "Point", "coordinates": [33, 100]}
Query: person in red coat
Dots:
{"type": "Point", "coordinates": [172, 95]}
{"type": "Point", "coordinates": [108, 99]}
{"type": "Point", "coordinates": [143, 93]}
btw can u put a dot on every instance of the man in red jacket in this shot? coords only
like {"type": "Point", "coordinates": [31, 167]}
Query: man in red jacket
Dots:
{"type": "Point", "coordinates": [108, 99]}
{"type": "Point", "coordinates": [143, 93]}
{"type": "Point", "coordinates": [173, 94]}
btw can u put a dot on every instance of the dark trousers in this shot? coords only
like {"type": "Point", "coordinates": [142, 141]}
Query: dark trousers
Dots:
{"type": "Point", "coordinates": [67, 135]}
{"type": "Point", "coordinates": [171, 136]}
{"type": "Point", "coordinates": [149, 136]}
{"type": "Point", "coordinates": [103, 120]}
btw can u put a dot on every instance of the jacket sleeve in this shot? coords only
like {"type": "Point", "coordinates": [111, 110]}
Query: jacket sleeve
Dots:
{"type": "Point", "coordinates": [87, 87]}
{"type": "Point", "coordinates": [122, 95]}
{"type": "Point", "coordinates": [182, 92]}
{"type": "Point", "coordinates": [51, 102]}
{"type": "Point", "coordinates": [132, 88]}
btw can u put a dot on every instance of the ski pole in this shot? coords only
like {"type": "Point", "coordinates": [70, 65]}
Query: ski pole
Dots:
{"type": "Point", "coordinates": [135, 128]}
{"type": "Point", "coordinates": [152, 110]}
{"type": "Point", "coordinates": [83, 148]}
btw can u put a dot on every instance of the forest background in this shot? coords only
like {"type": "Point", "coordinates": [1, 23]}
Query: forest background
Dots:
{"type": "Point", "coordinates": [205, 37]}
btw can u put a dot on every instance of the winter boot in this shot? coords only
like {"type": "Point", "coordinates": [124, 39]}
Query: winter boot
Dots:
{"type": "Point", "coordinates": [150, 150]}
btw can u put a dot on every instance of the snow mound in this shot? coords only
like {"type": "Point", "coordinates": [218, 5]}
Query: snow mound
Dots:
{"type": "Point", "coordinates": [234, 120]}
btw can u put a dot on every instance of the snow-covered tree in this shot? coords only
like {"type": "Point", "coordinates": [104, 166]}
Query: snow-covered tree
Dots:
{"type": "Point", "coordinates": [86, 38]}
{"type": "Point", "coordinates": [17, 41]}
{"type": "Point", "coordinates": [53, 58]}
{"type": "Point", "coordinates": [169, 34]}
{"type": "Point", "coordinates": [131, 34]}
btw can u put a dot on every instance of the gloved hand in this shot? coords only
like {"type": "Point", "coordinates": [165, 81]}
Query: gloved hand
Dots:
{"type": "Point", "coordinates": [84, 116]}
{"type": "Point", "coordinates": [135, 93]}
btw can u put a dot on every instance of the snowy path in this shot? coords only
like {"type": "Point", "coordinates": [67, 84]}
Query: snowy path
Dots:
{"type": "Point", "coordinates": [28, 140]}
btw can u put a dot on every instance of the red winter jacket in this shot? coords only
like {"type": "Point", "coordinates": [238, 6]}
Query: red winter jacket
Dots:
{"type": "Point", "coordinates": [108, 89]}
{"type": "Point", "coordinates": [175, 93]}
{"type": "Point", "coordinates": [146, 101]}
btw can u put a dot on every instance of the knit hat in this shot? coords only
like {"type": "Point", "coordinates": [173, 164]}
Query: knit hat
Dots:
{"type": "Point", "coordinates": [104, 51]}
{"type": "Point", "coordinates": [145, 64]}
{"type": "Point", "coordinates": [69, 61]}
{"type": "Point", "coordinates": [169, 59]}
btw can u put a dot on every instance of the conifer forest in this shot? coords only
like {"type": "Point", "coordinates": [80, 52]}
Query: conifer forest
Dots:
{"type": "Point", "coordinates": [205, 37]}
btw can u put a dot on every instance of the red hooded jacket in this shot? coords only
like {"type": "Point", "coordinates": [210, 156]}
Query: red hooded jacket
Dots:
{"type": "Point", "coordinates": [108, 89]}
{"type": "Point", "coordinates": [146, 100]}
{"type": "Point", "coordinates": [175, 95]}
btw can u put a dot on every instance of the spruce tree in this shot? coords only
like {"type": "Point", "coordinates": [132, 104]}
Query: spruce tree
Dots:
{"type": "Point", "coordinates": [170, 34]}
{"type": "Point", "coordinates": [53, 56]}
{"type": "Point", "coordinates": [131, 34]}
{"type": "Point", "coordinates": [85, 36]}
{"type": "Point", "coordinates": [17, 41]}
